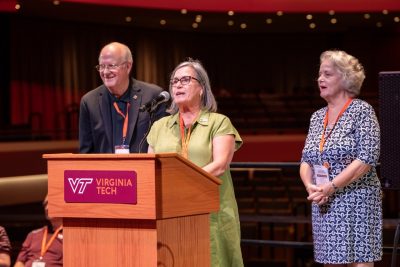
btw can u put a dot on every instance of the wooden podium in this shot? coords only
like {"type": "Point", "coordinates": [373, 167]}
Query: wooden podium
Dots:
{"type": "Point", "coordinates": [168, 226]}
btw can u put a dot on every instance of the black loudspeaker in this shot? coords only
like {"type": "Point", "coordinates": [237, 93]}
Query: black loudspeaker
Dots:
{"type": "Point", "coordinates": [389, 120]}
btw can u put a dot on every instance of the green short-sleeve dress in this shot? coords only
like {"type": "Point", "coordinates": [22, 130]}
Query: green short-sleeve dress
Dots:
{"type": "Point", "coordinates": [164, 136]}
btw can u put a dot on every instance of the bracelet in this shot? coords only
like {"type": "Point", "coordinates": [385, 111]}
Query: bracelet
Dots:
{"type": "Point", "coordinates": [334, 186]}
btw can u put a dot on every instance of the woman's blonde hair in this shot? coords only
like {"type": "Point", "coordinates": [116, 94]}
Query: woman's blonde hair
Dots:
{"type": "Point", "coordinates": [351, 69]}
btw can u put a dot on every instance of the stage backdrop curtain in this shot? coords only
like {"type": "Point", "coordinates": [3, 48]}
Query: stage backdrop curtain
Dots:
{"type": "Point", "coordinates": [52, 66]}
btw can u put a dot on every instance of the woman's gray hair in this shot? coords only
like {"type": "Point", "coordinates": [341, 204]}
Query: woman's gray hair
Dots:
{"type": "Point", "coordinates": [207, 100]}
{"type": "Point", "coordinates": [351, 69]}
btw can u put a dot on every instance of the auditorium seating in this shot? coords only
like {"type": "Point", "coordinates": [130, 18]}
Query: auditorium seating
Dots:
{"type": "Point", "coordinates": [260, 113]}
{"type": "Point", "coordinates": [272, 208]}
{"type": "Point", "coordinates": [260, 191]}
{"type": "Point", "coordinates": [250, 111]}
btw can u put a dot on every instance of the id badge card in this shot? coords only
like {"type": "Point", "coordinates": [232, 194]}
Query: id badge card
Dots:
{"type": "Point", "coordinates": [122, 149]}
{"type": "Point", "coordinates": [321, 174]}
{"type": "Point", "coordinates": [38, 263]}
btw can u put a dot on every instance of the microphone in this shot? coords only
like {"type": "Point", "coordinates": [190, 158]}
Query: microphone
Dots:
{"type": "Point", "coordinates": [151, 105]}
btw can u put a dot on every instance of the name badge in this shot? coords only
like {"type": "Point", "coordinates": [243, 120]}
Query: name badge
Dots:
{"type": "Point", "coordinates": [122, 149]}
{"type": "Point", "coordinates": [38, 263]}
{"type": "Point", "coordinates": [321, 174]}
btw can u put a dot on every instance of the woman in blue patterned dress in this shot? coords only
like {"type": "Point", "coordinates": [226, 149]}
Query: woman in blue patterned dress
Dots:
{"type": "Point", "coordinates": [338, 168]}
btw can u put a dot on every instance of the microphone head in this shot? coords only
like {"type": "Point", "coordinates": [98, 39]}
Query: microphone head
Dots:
{"type": "Point", "coordinates": [165, 95]}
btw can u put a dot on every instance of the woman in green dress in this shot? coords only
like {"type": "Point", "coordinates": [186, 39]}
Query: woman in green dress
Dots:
{"type": "Point", "coordinates": [208, 139]}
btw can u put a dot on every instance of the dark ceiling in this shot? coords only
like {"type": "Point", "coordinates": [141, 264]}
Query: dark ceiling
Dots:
{"type": "Point", "coordinates": [209, 21]}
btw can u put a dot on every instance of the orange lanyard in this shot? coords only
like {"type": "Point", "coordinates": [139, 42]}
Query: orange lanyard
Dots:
{"type": "Point", "coordinates": [185, 141]}
{"type": "Point", "coordinates": [45, 246]}
{"type": "Point", "coordinates": [125, 127]}
{"type": "Point", "coordinates": [323, 139]}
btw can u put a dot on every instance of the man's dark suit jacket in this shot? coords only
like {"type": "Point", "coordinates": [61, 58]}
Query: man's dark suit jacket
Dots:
{"type": "Point", "coordinates": [95, 129]}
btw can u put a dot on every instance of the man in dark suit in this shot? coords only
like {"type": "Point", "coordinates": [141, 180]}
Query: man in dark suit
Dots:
{"type": "Point", "coordinates": [109, 115]}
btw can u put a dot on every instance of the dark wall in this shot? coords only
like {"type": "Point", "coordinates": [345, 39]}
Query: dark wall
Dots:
{"type": "Point", "coordinates": [4, 69]}
{"type": "Point", "coordinates": [235, 61]}
{"type": "Point", "coordinates": [59, 55]}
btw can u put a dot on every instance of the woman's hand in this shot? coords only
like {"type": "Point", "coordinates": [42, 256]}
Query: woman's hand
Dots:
{"type": "Point", "coordinates": [314, 191]}
{"type": "Point", "coordinates": [320, 194]}
{"type": "Point", "coordinates": [318, 197]}
{"type": "Point", "coordinates": [315, 194]}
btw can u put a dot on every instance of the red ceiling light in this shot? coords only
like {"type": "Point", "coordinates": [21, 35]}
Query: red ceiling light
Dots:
{"type": "Point", "coordinates": [257, 6]}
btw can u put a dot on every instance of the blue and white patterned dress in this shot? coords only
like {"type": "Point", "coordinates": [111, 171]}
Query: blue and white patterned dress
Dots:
{"type": "Point", "coordinates": [348, 228]}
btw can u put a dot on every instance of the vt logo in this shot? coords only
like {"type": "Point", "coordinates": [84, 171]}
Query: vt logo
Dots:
{"type": "Point", "coordinates": [79, 184]}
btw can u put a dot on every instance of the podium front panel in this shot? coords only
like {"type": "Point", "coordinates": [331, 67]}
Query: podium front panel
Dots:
{"type": "Point", "coordinates": [146, 198]}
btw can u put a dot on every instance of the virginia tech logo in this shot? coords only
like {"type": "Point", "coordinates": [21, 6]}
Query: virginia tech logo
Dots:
{"type": "Point", "coordinates": [100, 186]}
{"type": "Point", "coordinates": [79, 184]}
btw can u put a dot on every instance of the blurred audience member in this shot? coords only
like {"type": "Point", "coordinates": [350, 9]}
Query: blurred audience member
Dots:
{"type": "Point", "coordinates": [5, 248]}
{"type": "Point", "coordinates": [43, 247]}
